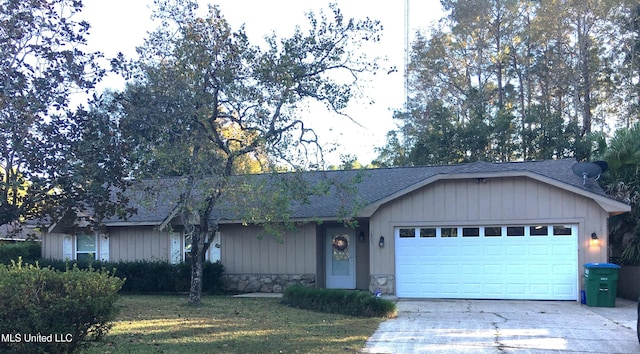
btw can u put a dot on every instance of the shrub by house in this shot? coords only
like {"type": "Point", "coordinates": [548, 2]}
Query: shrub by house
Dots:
{"type": "Point", "coordinates": [345, 302]}
{"type": "Point", "coordinates": [48, 311]}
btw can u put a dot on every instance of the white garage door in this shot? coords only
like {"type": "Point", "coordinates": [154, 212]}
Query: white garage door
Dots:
{"type": "Point", "coordinates": [488, 262]}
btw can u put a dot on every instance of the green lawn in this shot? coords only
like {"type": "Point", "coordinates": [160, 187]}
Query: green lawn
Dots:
{"type": "Point", "coordinates": [166, 324]}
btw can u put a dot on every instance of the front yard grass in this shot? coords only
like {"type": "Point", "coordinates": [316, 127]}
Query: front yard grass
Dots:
{"type": "Point", "coordinates": [166, 324]}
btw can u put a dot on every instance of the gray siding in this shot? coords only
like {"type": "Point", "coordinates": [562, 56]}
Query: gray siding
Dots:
{"type": "Point", "coordinates": [52, 246]}
{"type": "Point", "coordinates": [362, 258]}
{"type": "Point", "coordinates": [138, 243]}
{"type": "Point", "coordinates": [244, 253]}
{"type": "Point", "coordinates": [496, 201]}
{"type": "Point", "coordinates": [125, 244]}
{"type": "Point", "coordinates": [241, 250]}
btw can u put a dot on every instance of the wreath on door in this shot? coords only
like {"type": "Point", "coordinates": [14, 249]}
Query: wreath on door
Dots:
{"type": "Point", "coordinates": [340, 243]}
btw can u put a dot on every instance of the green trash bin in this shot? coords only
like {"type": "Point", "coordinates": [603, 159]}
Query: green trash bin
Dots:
{"type": "Point", "coordinates": [601, 283]}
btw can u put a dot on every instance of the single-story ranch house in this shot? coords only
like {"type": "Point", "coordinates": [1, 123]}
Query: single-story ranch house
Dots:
{"type": "Point", "coordinates": [481, 230]}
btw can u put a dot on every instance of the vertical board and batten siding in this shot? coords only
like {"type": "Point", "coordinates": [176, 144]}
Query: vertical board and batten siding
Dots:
{"type": "Point", "coordinates": [496, 201]}
{"type": "Point", "coordinates": [125, 244]}
{"type": "Point", "coordinates": [244, 253]}
{"type": "Point", "coordinates": [138, 243]}
{"type": "Point", "coordinates": [362, 258]}
{"type": "Point", "coordinates": [52, 246]}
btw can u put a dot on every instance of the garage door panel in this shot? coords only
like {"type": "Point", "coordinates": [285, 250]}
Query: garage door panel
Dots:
{"type": "Point", "coordinates": [447, 251]}
{"type": "Point", "coordinates": [539, 289]}
{"type": "Point", "coordinates": [449, 287]}
{"type": "Point", "coordinates": [514, 267]}
{"type": "Point", "coordinates": [562, 250]}
{"type": "Point", "coordinates": [516, 270]}
{"type": "Point", "coordinates": [472, 290]}
{"type": "Point", "coordinates": [490, 269]}
{"type": "Point", "coordinates": [493, 289]}
{"type": "Point", "coordinates": [492, 250]}
{"type": "Point", "coordinates": [539, 250]}
{"type": "Point", "coordinates": [447, 270]}
{"type": "Point", "coordinates": [561, 291]}
{"type": "Point", "coordinates": [469, 270]}
{"type": "Point", "coordinates": [516, 290]}
{"type": "Point", "coordinates": [516, 249]}
{"type": "Point", "coordinates": [562, 270]}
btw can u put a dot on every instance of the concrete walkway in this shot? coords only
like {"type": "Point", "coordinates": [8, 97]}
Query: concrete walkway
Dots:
{"type": "Point", "coordinates": [503, 326]}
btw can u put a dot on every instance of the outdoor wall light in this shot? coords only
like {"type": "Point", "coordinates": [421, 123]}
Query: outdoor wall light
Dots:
{"type": "Point", "coordinates": [594, 240]}
{"type": "Point", "coordinates": [381, 242]}
{"type": "Point", "coordinates": [361, 236]}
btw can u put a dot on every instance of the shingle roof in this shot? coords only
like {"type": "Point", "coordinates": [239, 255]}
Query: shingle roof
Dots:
{"type": "Point", "coordinates": [375, 185]}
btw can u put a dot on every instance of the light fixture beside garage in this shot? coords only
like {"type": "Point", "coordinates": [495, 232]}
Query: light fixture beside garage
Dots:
{"type": "Point", "coordinates": [381, 242]}
{"type": "Point", "coordinates": [594, 240]}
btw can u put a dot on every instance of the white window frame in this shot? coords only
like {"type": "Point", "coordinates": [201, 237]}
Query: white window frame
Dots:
{"type": "Point", "coordinates": [185, 249]}
{"type": "Point", "coordinates": [93, 252]}
{"type": "Point", "coordinates": [481, 229]}
{"type": "Point", "coordinates": [100, 252]}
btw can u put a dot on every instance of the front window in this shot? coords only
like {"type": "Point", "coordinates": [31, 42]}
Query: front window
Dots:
{"type": "Point", "coordinates": [86, 247]}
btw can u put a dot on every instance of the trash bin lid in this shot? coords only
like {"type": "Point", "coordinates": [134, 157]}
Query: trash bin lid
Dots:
{"type": "Point", "coordinates": [602, 265]}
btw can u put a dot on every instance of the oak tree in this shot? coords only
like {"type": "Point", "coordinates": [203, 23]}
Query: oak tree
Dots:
{"type": "Point", "coordinates": [203, 98]}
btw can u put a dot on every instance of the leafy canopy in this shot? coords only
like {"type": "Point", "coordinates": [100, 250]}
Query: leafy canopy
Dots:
{"type": "Point", "coordinates": [204, 105]}
{"type": "Point", "coordinates": [44, 169]}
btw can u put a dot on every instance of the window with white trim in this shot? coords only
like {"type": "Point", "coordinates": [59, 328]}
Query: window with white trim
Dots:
{"type": "Point", "coordinates": [448, 232]}
{"type": "Point", "coordinates": [470, 232]}
{"type": "Point", "coordinates": [510, 231]}
{"type": "Point", "coordinates": [428, 232]}
{"type": "Point", "coordinates": [86, 247]}
{"type": "Point", "coordinates": [407, 232]}
{"type": "Point", "coordinates": [180, 249]}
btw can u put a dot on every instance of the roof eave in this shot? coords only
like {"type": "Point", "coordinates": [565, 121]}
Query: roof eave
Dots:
{"type": "Point", "coordinates": [131, 223]}
{"type": "Point", "coordinates": [318, 220]}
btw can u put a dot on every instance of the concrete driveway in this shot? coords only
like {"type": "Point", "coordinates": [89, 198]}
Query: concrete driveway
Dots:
{"type": "Point", "coordinates": [503, 326]}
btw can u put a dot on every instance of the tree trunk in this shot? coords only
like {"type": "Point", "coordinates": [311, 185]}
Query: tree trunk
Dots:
{"type": "Point", "coordinates": [197, 258]}
{"type": "Point", "coordinates": [523, 110]}
{"type": "Point", "coordinates": [499, 59]}
{"type": "Point", "coordinates": [585, 89]}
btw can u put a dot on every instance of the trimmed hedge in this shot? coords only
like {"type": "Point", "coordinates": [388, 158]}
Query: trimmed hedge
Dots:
{"type": "Point", "coordinates": [153, 276]}
{"type": "Point", "coordinates": [47, 311]}
{"type": "Point", "coordinates": [30, 252]}
{"type": "Point", "coordinates": [346, 302]}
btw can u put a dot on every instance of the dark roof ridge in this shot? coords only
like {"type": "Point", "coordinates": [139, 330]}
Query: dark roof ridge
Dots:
{"type": "Point", "coordinates": [453, 165]}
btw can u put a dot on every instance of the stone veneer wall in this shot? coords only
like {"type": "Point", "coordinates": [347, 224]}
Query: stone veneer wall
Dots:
{"type": "Point", "coordinates": [383, 282]}
{"type": "Point", "coordinates": [265, 283]}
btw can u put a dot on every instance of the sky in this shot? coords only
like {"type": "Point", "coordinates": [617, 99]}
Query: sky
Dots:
{"type": "Point", "coordinates": [122, 25]}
